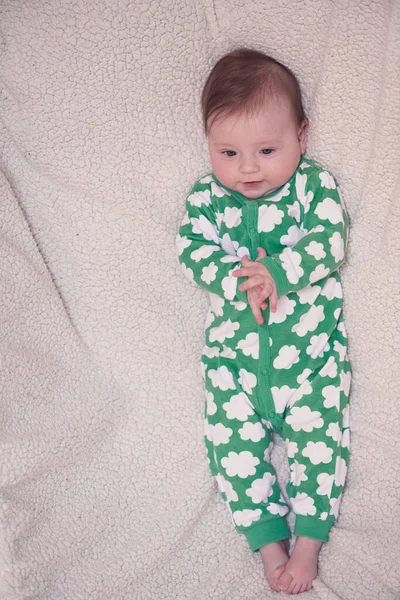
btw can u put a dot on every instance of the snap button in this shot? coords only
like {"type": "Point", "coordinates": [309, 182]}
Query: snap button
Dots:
{"type": "Point", "coordinates": [253, 230]}
{"type": "Point", "coordinates": [264, 371]}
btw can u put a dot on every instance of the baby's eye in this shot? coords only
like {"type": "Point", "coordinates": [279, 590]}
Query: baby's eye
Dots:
{"type": "Point", "coordinates": [267, 151]}
{"type": "Point", "coordinates": [229, 153]}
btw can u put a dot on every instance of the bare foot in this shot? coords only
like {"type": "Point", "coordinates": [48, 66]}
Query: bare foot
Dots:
{"type": "Point", "coordinates": [274, 557]}
{"type": "Point", "coordinates": [302, 567]}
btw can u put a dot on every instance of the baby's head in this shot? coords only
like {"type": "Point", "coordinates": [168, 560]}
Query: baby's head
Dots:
{"type": "Point", "coordinates": [255, 122]}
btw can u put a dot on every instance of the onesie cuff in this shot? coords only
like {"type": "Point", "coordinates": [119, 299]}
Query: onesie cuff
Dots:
{"type": "Point", "coordinates": [267, 532]}
{"type": "Point", "coordinates": [312, 528]}
{"type": "Point", "coordinates": [241, 296]}
{"type": "Point", "coordinates": [278, 273]}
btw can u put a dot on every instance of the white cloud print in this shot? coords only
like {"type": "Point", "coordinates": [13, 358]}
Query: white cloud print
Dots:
{"type": "Point", "coordinates": [211, 406]}
{"type": "Point", "coordinates": [228, 353]}
{"type": "Point", "coordinates": [285, 307]}
{"type": "Point", "coordinates": [203, 252]}
{"type": "Point", "coordinates": [220, 434]}
{"type": "Point", "coordinates": [291, 448]}
{"type": "Point", "coordinates": [345, 383]}
{"type": "Point", "coordinates": [332, 289]}
{"type": "Point", "coordinates": [246, 517]}
{"type": "Point", "coordinates": [309, 294]}
{"type": "Point", "coordinates": [268, 217]}
{"type": "Point", "coordinates": [199, 198]}
{"type": "Point", "coordinates": [303, 505]}
{"type": "Point", "coordinates": [305, 199]}
{"type": "Point", "coordinates": [297, 473]}
{"type": "Point", "coordinates": [250, 345]}
{"type": "Point", "coordinates": [316, 249]}
{"type": "Point", "coordinates": [226, 488]}
{"type": "Point", "coordinates": [293, 235]}
{"type": "Point", "coordinates": [188, 273]}
{"type": "Point", "coordinates": [229, 284]}
{"type": "Point", "coordinates": [277, 509]}
{"type": "Point", "coordinates": [335, 505]}
{"type": "Point", "coordinates": [232, 216]}
{"type": "Point", "coordinates": [334, 432]}
{"type": "Point", "coordinates": [225, 330]}
{"type": "Point", "coordinates": [340, 471]}
{"type": "Point", "coordinates": [331, 393]}
{"type": "Point", "coordinates": [239, 407]}
{"type": "Point", "coordinates": [287, 357]}
{"type": "Point", "coordinates": [218, 191]}
{"type": "Point", "coordinates": [281, 397]}
{"type": "Point", "coordinates": [242, 465]}
{"type": "Point", "coordinates": [252, 431]}
{"type": "Point", "coordinates": [261, 489]}
{"type": "Point", "coordinates": [327, 180]}
{"type": "Point", "coordinates": [340, 349]}
{"type": "Point", "coordinates": [329, 210]}
{"type": "Point", "coordinates": [329, 369]}
{"type": "Point", "coordinates": [325, 483]}
{"type": "Point", "coordinates": [345, 443]}
{"type": "Point", "coordinates": [182, 243]}
{"type": "Point", "coordinates": [205, 228]}
{"type": "Point", "coordinates": [337, 246]}
{"type": "Point", "coordinates": [319, 272]}
{"type": "Point", "coordinates": [309, 321]}
{"type": "Point", "coordinates": [209, 273]}
{"type": "Point", "coordinates": [229, 246]}
{"type": "Point", "coordinates": [247, 380]}
{"type": "Point", "coordinates": [217, 304]}
{"type": "Point", "coordinates": [291, 263]}
{"type": "Point", "coordinates": [221, 378]}
{"type": "Point", "coordinates": [318, 345]}
{"type": "Point", "coordinates": [302, 418]}
{"type": "Point", "coordinates": [318, 452]}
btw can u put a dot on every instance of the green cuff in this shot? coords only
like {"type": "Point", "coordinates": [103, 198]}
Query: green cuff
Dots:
{"type": "Point", "coordinates": [267, 532]}
{"type": "Point", "coordinates": [312, 528]}
{"type": "Point", "coordinates": [278, 273]}
{"type": "Point", "coordinates": [241, 296]}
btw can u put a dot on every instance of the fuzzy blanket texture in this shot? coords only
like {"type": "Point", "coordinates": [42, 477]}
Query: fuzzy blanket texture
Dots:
{"type": "Point", "coordinates": [105, 488]}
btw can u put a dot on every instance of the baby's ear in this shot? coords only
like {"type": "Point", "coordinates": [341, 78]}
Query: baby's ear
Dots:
{"type": "Point", "coordinates": [302, 133]}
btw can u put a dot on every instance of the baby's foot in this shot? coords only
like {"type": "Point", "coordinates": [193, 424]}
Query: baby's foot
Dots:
{"type": "Point", "coordinates": [302, 567]}
{"type": "Point", "coordinates": [274, 557]}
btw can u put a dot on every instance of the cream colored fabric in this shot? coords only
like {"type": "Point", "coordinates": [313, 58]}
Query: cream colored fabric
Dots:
{"type": "Point", "coordinates": [106, 492]}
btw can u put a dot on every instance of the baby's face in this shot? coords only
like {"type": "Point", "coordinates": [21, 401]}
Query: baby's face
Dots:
{"type": "Point", "coordinates": [257, 154]}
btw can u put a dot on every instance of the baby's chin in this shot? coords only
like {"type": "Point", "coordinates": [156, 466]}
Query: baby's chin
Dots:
{"type": "Point", "coordinates": [252, 192]}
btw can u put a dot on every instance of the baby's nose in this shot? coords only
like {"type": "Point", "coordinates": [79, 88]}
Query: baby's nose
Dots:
{"type": "Point", "coordinates": [249, 165]}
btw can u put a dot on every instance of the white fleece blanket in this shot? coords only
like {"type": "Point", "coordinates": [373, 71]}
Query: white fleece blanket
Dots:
{"type": "Point", "coordinates": [105, 488]}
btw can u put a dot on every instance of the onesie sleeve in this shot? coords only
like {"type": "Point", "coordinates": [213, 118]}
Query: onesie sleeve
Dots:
{"type": "Point", "coordinates": [322, 249]}
{"type": "Point", "coordinates": [199, 247]}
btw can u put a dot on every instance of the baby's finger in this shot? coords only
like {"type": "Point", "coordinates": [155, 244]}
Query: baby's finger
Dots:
{"type": "Point", "coordinates": [251, 283]}
{"type": "Point", "coordinates": [273, 300]}
{"type": "Point", "coordinates": [255, 309]}
{"type": "Point", "coordinates": [261, 253]}
{"type": "Point", "coordinates": [246, 271]}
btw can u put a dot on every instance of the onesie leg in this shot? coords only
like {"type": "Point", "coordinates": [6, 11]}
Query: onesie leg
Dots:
{"type": "Point", "coordinates": [238, 445]}
{"type": "Point", "coordinates": [316, 430]}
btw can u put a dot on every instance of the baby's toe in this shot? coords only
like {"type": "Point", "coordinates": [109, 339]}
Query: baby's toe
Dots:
{"type": "Point", "coordinates": [284, 581]}
{"type": "Point", "coordinates": [275, 576]}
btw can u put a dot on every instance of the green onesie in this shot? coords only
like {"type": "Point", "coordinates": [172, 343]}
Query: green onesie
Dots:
{"type": "Point", "coordinates": [290, 375]}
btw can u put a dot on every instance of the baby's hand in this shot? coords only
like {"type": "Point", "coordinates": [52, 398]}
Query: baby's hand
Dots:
{"type": "Point", "coordinates": [260, 285]}
{"type": "Point", "coordinates": [253, 295]}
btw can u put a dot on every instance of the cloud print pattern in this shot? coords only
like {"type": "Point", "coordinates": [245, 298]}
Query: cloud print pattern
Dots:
{"type": "Point", "coordinates": [291, 374]}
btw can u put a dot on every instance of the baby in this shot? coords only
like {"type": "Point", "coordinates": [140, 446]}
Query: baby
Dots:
{"type": "Point", "coordinates": [265, 234]}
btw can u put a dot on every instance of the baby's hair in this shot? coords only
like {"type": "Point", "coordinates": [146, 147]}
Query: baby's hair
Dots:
{"type": "Point", "coordinates": [243, 80]}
